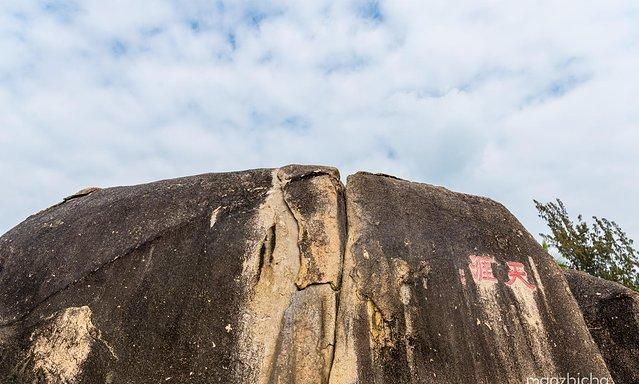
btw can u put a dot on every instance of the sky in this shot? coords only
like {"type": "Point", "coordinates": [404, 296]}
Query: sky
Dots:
{"type": "Point", "coordinates": [514, 100]}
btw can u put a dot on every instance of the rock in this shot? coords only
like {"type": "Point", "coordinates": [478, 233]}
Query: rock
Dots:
{"type": "Point", "coordinates": [193, 280]}
{"type": "Point", "coordinates": [283, 276]}
{"type": "Point", "coordinates": [81, 193]}
{"type": "Point", "coordinates": [426, 294]}
{"type": "Point", "coordinates": [611, 312]}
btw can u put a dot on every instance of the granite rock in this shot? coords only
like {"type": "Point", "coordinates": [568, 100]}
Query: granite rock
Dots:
{"type": "Point", "coordinates": [284, 276]}
{"type": "Point", "coordinates": [611, 312]}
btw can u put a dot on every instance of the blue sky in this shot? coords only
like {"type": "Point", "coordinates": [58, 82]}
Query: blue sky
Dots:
{"type": "Point", "coordinates": [511, 100]}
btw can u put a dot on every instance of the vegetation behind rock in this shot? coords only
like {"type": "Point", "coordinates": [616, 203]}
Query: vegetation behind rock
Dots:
{"type": "Point", "coordinates": [602, 248]}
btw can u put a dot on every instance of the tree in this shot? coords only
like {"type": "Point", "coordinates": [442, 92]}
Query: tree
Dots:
{"type": "Point", "coordinates": [602, 249]}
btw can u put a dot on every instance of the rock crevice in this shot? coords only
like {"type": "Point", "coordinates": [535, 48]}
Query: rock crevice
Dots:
{"type": "Point", "coordinates": [291, 310]}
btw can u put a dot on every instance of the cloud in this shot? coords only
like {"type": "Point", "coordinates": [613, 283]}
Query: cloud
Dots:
{"type": "Point", "coordinates": [510, 100]}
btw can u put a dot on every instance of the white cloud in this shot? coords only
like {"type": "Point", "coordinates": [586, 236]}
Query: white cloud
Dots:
{"type": "Point", "coordinates": [513, 100]}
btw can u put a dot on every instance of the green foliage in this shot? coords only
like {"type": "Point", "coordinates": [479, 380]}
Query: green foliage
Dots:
{"type": "Point", "coordinates": [601, 249]}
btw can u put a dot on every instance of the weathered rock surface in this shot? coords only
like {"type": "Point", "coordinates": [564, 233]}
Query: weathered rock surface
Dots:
{"type": "Point", "coordinates": [426, 295]}
{"type": "Point", "coordinates": [284, 276]}
{"type": "Point", "coordinates": [226, 278]}
{"type": "Point", "coordinates": [612, 314]}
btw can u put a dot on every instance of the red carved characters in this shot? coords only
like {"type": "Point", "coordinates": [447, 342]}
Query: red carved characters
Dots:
{"type": "Point", "coordinates": [517, 273]}
{"type": "Point", "coordinates": [482, 271]}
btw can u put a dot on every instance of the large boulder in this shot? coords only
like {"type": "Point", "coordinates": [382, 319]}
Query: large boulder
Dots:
{"type": "Point", "coordinates": [443, 287]}
{"type": "Point", "coordinates": [284, 276]}
{"type": "Point", "coordinates": [218, 278]}
{"type": "Point", "coordinates": [611, 312]}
